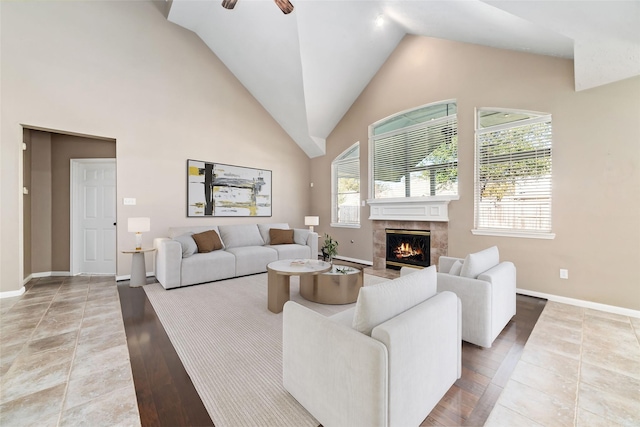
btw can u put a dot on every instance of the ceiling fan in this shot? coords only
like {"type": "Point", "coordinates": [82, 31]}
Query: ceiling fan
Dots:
{"type": "Point", "coordinates": [285, 5]}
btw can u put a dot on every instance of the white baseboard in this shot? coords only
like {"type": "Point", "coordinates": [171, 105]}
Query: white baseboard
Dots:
{"type": "Point", "coordinates": [44, 274]}
{"type": "Point", "coordinates": [51, 274]}
{"type": "Point", "coordinates": [16, 293]}
{"type": "Point", "coordinates": [582, 303]}
{"type": "Point", "coordinates": [359, 261]}
{"type": "Point", "coordinates": [128, 276]}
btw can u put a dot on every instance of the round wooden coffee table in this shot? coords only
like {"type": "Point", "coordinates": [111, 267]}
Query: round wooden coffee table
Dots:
{"type": "Point", "coordinates": [279, 273]}
{"type": "Point", "coordinates": [340, 285]}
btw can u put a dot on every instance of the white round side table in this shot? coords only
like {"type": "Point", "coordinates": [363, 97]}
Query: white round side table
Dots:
{"type": "Point", "coordinates": [138, 268]}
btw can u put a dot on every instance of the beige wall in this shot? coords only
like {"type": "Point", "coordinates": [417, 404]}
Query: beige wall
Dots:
{"type": "Point", "coordinates": [63, 149]}
{"type": "Point", "coordinates": [596, 159]}
{"type": "Point", "coordinates": [120, 70]}
{"type": "Point", "coordinates": [26, 203]}
{"type": "Point", "coordinates": [41, 196]}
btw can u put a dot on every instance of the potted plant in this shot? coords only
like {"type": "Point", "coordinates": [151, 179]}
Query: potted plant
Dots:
{"type": "Point", "coordinates": [329, 248]}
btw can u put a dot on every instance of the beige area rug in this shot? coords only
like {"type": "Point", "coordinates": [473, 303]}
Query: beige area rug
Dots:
{"type": "Point", "coordinates": [231, 346]}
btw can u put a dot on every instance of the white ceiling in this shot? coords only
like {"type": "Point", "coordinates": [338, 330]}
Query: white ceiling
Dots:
{"type": "Point", "coordinates": [308, 67]}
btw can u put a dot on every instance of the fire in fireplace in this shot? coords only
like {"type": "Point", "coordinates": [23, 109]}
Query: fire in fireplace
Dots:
{"type": "Point", "coordinates": [408, 248]}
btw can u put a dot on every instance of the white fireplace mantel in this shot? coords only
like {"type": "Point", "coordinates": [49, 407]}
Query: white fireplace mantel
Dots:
{"type": "Point", "coordinates": [435, 208]}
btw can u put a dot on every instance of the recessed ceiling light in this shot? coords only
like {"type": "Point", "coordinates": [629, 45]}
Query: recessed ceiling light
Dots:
{"type": "Point", "coordinates": [380, 21]}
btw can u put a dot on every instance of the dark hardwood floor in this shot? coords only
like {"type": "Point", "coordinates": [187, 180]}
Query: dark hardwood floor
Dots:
{"type": "Point", "coordinates": [485, 372]}
{"type": "Point", "coordinates": [166, 396]}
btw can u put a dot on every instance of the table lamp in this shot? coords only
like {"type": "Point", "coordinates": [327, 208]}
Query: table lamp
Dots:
{"type": "Point", "coordinates": [138, 225]}
{"type": "Point", "coordinates": [311, 221]}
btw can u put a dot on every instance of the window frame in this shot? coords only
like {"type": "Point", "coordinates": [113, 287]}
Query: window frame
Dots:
{"type": "Point", "coordinates": [538, 117]}
{"type": "Point", "coordinates": [335, 163]}
{"type": "Point", "coordinates": [373, 137]}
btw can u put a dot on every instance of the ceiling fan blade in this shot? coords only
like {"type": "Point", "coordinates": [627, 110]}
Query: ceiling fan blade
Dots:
{"type": "Point", "coordinates": [285, 6]}
{"type": "Point", "coordinates": [229, 4]}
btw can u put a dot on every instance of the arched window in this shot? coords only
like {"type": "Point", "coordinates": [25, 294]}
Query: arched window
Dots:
{"type": "Point", "coordinates": [513, 173]}
{"type": "Point", "coordinates": [345, 188]}
{"type": "Point", "coordinates": [415, 153]}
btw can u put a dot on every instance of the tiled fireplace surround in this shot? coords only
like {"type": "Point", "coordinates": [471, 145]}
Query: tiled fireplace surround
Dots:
{"type": "Point", "coordinates": [439, 238]}
{"type": "Point", "coordinates": [417, 213]}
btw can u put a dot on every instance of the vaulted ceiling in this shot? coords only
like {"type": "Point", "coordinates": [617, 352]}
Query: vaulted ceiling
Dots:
{"type": "Point", "coordinates": [308, 67]}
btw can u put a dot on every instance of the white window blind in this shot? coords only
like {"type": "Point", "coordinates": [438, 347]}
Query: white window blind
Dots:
{"type": "Point", "coordinates": [513, 172]}
{"type": "Point", "coordinates": [415, 153]}
{"type": "Point", "coordinates": [346, 187]}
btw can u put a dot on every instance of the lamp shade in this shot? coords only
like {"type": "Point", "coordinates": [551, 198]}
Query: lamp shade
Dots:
{"type": "Point", "coordinates": [311, 220]}
{"type": "Point", "coordinates": [138, 225]}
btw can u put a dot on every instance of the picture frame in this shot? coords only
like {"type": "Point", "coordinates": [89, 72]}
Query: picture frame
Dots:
{"type": "Point", "coordinates": [222, 190]}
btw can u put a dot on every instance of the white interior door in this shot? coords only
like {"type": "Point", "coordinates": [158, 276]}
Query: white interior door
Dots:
{"type": "Point", "coordinates": [93, 223]}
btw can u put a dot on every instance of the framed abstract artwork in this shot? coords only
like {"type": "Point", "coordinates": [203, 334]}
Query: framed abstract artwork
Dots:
{"type": "Point", "coordinates": [216, 189]}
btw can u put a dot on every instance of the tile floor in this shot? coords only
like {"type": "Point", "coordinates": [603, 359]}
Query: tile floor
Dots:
{"type": "Point", "coordinates": [64, 361]}
{"type": "Point", "coordinates": [63, 355]}
{"type": "Point", "coordinates": [580, 367]}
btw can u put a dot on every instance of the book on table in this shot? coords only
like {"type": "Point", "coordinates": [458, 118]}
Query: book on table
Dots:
{"type": "Point", "coordinates": [305, 263]}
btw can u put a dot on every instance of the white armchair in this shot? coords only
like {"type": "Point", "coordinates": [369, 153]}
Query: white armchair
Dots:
{"type": "Point", "coordinates": [386, 362]}
{"type": "Point", "coordinates": [487, 289]}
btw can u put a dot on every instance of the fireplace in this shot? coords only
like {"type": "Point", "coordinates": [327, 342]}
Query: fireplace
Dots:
{"type": "Point", "coordinates": [408, 248]}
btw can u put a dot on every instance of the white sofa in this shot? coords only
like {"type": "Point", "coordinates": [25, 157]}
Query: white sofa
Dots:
{"type": "Point", "coordinates": [487, 289]}
{"type": "Point", "coordinates": [386, 362]}
{"type": "Point", "coordinates": [246, 250]}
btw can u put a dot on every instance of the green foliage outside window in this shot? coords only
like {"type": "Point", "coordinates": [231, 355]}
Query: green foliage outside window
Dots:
{"type": "Point", "coordinates": [347, 186]}
{"type": "Point", "coordinates": [446, 156]}
{"type": "Point", "coordinates": [508, 156]}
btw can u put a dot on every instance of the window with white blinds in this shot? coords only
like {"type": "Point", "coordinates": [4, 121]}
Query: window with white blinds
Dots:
{"type": "Point", "coordinates": [345, 184]}
{"type": "Point", "coordinates": [415, 153]}
{"type": "Point", "coordinates": [513, 173]}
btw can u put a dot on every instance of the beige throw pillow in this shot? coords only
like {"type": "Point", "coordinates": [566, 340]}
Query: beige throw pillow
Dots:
{"type": "Point", "coordinates": [208, 241]}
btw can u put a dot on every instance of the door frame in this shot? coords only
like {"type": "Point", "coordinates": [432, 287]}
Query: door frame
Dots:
{"type": "Point", "coordinates": [74, 252]}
